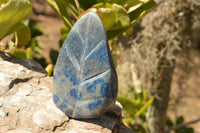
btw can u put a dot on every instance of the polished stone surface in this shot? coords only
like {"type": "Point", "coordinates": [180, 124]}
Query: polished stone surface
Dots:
{"type": "Point", "coordinates": [85, 81]}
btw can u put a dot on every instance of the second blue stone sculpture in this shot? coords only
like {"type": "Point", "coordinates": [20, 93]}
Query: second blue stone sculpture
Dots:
{"type": "Point", "coordinates": [85, 82]}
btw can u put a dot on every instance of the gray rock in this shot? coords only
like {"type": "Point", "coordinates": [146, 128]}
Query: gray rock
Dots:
{"type": "Point", "coordinates": [26, 106]}
{"type": "Point", "coordinates": [84, 77]}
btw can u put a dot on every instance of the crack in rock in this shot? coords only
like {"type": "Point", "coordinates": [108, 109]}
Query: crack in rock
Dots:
{"type": "Point", "coordinates": [16, 81]}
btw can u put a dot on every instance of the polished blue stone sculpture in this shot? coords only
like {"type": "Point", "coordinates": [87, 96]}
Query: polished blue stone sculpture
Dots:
{"type": "Point", "coordinates": [85, 81]}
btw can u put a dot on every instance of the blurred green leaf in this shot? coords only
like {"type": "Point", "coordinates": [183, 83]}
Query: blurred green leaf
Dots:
{"type": "Point", "coordinates": [142, 9]}
{"type": "Point", "coordinates": [107, 16]}
{"type": "Point", "coordinates": [138, 10]}
{"type": "Point", "coordinates": [169, 122]}
{"type": "Point", "coordinates": [134, 4]}
{"type": "Point", "coordinates": [86, 4]}
{"type": "Point", "coordinates": [117, 16]}
{"type": "Point", "coordinates": [15, 9]}
{"type": "Point", "coordinates": [49, 69]}
{"type": "Point", "coordinates": [22, 35]}
{"type": "Point", "coordinates": [179, 120]}
{"type": "Point", "coordinates": [144, 94]}
{"type": "Point", "coordinates": [127, 104]}
{"type": "Point", "coordinates": [53, 5]}
{"type": "Point", "coordinates": [114, 60]}
{"type": "Point", "coordinates": [189, 130]}
{"type": "Point", "coordinates": [35, 44]}
{"type": "Point", "coordinates": [179, 128]}
{"type": "Point", "coordinates": [114, 33]}
{"type": "Point", "coordinates": [63, 13]}
{"type": "Point", "coordinates": [62, 40]}
{"type": "Point", "coordinates": [64, 31]}
{"type": "Point", "coordinates": [54, 55]}
{"type": "Point", "coordinates": [113, 16]}
{"type": "Point", "coordinates": [35, 31]}
{"type": "Point", "coordinates": [127, 120]}
{"type": "Point", "coordinates": [140, 98]}
{"type": "Point", "coordinates": [119, 2]}
{"type": "Point", "coordinates": [184, 130]}
{"type": "Point", "coordinates": [29, 53]}
{"type": "Point", "coordinates": [143, 117]}
{"type": "Point", "coordinates": [59, 6]}
{"type": "Point", "coordinates": [3, 1]}
{"type": "Point", "coordinates": [21, 53]}
{"type": "Point", "coordinates": [102, 5]}
{"type": "Point", "coordinates": [75, 9]}
{"type": "Point", "coordinates": [62, 7]}
{"type": "Point", "coordinates": [144, 107]}
{"type": "Point", "coordinates": [106, 13]}
{"type": "Point", "coordinates": [41, 61]}
{"type": "Point", "coordinates": [78, 6]}
{"type": "Point", "coordinates": [123, 19]}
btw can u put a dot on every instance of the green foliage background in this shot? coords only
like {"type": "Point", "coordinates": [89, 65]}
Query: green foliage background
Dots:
{"type": "Point", "coordinates": [118, 17]}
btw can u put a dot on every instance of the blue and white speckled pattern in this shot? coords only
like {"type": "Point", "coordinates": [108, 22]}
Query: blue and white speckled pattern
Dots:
{"type": "Point", "coordinates": [85, 81]}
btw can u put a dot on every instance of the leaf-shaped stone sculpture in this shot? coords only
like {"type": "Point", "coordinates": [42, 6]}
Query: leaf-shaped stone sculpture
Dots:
{"type": "Point", "coordinates": [85, 81]}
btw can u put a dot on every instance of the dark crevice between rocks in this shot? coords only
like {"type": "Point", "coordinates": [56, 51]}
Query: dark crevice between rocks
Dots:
{"type": "Point", "coordinates": [16, 81]}
{"type": "Point", "coordinates": [61, 125]}
{"type": "Point", "coordinates": [116, 127]}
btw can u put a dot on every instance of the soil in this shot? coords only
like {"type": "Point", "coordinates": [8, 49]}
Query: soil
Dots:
{"type": "Point", "coordinates": [185, 93]}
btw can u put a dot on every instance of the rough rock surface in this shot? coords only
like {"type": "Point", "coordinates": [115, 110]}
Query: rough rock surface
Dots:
{"type": "Point", "coordinates": [26, 104]}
